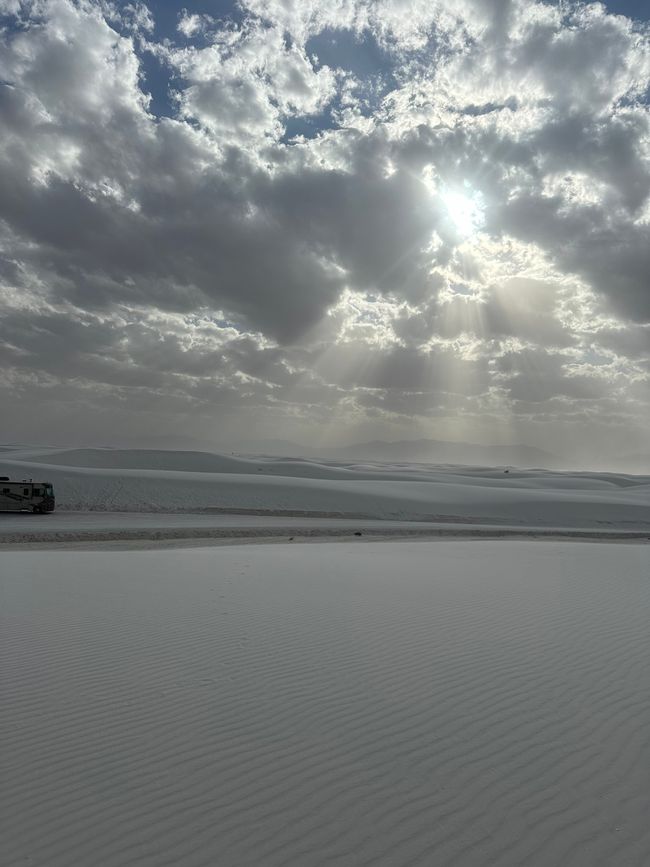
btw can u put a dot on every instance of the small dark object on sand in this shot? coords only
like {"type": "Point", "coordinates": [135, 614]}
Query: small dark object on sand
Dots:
{"type": "Point", "coordinates": [291, 538]}
{"type": "Point", "coordinates": [358, 533]}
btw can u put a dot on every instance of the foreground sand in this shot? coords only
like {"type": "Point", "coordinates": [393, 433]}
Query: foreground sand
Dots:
{"type": "Point", "coordinates": [466, 703]}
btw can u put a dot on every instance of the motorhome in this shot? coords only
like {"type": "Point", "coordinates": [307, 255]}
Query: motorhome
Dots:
{"type": "Point", "coordinates": [26, 496]}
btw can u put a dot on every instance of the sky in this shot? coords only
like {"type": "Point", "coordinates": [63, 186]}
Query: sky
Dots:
{"type": "Point", "coordinates": [326, 222]}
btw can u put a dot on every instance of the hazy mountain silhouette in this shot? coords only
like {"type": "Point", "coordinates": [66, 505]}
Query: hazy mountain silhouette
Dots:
{"type": "Point", "coordinates": [416, 451]}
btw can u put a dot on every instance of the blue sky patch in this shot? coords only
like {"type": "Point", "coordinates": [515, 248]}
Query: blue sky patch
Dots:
{"type": "Point", "coordinates": [632, 8]}
{"type": "Point", "coordinates": [309, 127]}
{"type": "Point", "coordinates": [167, 13]}
{"type": "Point", "coordinates": [360, 55]}
{"type": "Point", "coordinates": [156, 82]}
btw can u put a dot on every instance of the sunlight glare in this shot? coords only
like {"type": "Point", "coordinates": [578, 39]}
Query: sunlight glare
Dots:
{"type": "Point", "coordinates": [465, 211]}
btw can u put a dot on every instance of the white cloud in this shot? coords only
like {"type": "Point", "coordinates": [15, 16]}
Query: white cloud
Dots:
{"type": "Point", "coordinates": [191, 25]}
{"type": "Point", "coordinates": [241, 89]}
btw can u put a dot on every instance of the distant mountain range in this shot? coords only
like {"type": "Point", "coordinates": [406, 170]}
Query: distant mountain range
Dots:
{"type": "Point", "coordinates": [412, 451]}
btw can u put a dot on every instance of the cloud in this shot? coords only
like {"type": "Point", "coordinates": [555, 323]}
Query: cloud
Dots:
{"type": "Point", "coordinates": [192, 25]}
{"type": "Point", "coordinates": [536, 376]}
{"type": "Point", "coordinates": [216, 256]}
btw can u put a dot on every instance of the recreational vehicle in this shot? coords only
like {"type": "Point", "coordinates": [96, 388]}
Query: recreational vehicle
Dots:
{"type": "Point", "coordinates": [26, 496]}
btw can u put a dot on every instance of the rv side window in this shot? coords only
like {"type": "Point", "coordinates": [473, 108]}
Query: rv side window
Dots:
{"type": "Point", "coordinates": [5, 490]}
{"type": "Point", "coordinates": [26, 491]}
{"type": "Point", "coordinates": [37, 492]}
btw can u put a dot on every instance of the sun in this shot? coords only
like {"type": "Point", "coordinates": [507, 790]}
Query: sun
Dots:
{"type": "Point", "coordinates": [464, 210]}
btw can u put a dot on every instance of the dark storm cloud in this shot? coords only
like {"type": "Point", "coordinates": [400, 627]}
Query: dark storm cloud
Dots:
{"type": "Point", "coordinates": [630, 342]}
{"type": "Point", "coordinates": [614, 259]}
{"type": "Point", "coordinates": [535, 376]}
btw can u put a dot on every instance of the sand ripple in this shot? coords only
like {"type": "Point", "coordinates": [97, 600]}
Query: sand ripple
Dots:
{"type": "Point", "coordinates": [472, 703]}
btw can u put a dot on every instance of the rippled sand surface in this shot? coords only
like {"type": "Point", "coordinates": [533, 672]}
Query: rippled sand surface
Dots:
{"type": "Point", "coordinates": [458, 703]}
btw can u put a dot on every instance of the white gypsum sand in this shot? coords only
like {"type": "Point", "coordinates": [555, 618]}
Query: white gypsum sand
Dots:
{"type": "Point", "coordinates": [159, 481]}
{"type": "Point", "coordinates": [144, 530]}
{"type": "Point", "coordinates": [467, 703]}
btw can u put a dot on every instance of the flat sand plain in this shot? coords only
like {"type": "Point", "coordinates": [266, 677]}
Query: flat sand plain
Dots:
{"type": "Point", "coordinates": [467, 703]}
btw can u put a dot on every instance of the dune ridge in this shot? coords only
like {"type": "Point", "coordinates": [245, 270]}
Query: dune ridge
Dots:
{"type": "Point", "coordinates": [157, 481]}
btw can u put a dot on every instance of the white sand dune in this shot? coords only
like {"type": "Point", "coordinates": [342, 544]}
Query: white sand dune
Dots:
{"type": "Point", "coordinates": [112, 480]}
{"type": "Point", "coordinates": [467, 704]}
